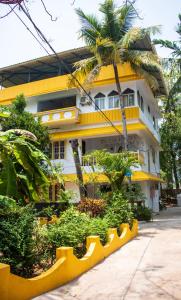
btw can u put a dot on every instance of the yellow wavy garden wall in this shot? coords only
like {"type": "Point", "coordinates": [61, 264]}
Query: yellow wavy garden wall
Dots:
{"type": "Point", "coordinates": [66, 268]}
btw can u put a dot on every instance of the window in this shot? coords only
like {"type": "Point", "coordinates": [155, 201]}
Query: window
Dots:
{"type": "Point", "coordinates": [148, 109]}
{"type": "Point", "coordinates": [99, 101]}
{"type": "Point", "coordinates": [57, 150]}
{"type": "Point", "coordinates": [113, 99]}
{"type": "Point", "coordinates": [128, 97]}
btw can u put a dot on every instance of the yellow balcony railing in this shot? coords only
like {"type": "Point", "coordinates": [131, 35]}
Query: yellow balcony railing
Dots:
{"type": "Point", "coordinates": [69, 115]}
{"type": "Point", "coordinates": [91, 161]}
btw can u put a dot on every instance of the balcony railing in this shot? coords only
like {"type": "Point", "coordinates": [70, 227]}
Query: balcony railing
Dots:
{"type": "Point", "coordinates": [91, 161]}
{"type": "Point", "coordinates": [63, 116]}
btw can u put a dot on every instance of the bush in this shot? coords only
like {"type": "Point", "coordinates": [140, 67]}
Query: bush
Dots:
{"type": "Point", "coordinates": [142, 213]}
{"type": "Point", "coordinates": [94, 207]}
{"type": "Point", "coordinates": [71, 230]}
{"type": "Point", "coordinates": [119, 211]}
{"type": "Point", "coordinates": [99, 227]}
{"type": "Point", "coordinates": [16, 237]}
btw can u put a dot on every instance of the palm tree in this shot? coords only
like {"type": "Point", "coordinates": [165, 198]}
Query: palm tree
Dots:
{"type": "Point", "coordinates": [175, 63]}
{"type": "Point", "coordinates": [24, 168]}
{"type": "Point", "coordinates": [113, 41]}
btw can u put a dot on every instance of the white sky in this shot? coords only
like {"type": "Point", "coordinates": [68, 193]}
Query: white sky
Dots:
{"type": "Point", "coordinates": [17, 45]}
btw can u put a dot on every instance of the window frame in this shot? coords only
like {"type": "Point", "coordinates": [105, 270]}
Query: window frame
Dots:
{"type": "Point", "coordinates": [57, 150]}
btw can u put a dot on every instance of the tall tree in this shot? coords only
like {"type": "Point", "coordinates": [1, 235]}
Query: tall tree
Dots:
{"type": "Point", "coordinates": [22, 119]}
{"type": "Point", "coordinates": [171, 124]}
{"type": "Point", "coordinates": [112, 41]}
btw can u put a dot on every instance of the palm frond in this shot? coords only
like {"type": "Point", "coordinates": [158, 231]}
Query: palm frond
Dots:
{"type": "Point", "coordinates": [82, 70]}
{"type": "Point", "coordinates": [127, 15]}
{"type": "Point", "coordinates": [110, 28]}
{"type": "Point", "coordinates": [176, 88]}
{"type": "Point", "coordinates": [167, 44]}
{"type": "Point", "coordinates": [134, 34]}
{"type": "Point", "coordinates": [90, 27]}
{"type": "Point", "coordinates": [146, 65]}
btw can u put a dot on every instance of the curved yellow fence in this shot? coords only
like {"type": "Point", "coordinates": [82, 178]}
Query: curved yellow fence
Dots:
{"type": "Point", "coordinates": [66, 268]}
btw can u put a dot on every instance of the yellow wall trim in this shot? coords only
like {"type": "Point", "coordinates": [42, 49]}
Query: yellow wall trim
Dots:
{"type": "Point", "coordinates": [66, 268]}
{"type": "Point", "coordinates": [91, 132]}
{"type": "Point", "coordinates": [101, 178]}
{"type": "Point", "coordinates": [60, 83]}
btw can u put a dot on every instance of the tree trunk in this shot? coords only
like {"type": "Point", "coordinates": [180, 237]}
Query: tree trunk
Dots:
{"type": "Point", "coordinates": [125, 134]}
{"type": "Point", "coordinates": [175, 169]}
{"type": "Point", "coordinates": [75, 144]}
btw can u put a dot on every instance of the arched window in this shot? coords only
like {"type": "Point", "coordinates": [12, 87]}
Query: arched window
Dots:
{"type": "Point", "coordinates": [128, 97]}
{"type": "Point", "coordinates": [113, 98]}
{"type": "Point", "coordinates": [99, 101]}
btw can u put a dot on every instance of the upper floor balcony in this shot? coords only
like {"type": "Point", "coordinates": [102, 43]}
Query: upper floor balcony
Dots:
{"type": "Point", "coordinates": [63, 116]}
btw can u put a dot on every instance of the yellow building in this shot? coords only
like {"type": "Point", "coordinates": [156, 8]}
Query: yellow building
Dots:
{"type": "Point", "coordinates": [44, 82]}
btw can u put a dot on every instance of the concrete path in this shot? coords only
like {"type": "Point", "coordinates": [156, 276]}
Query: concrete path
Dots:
{"type": "Point", "coordinates": [149, 267]}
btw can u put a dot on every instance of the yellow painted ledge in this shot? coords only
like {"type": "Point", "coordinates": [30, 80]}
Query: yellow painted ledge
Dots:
{"type": "Point", "coordinates": [101, 178]}
{"type": "Point", "coordinates": [66, 268]}
{"type": "Point", "coordinates": [91, 132]}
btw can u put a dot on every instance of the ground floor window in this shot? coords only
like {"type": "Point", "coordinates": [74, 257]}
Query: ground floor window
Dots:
{"type": "Point", "coordinates": [57, 150]}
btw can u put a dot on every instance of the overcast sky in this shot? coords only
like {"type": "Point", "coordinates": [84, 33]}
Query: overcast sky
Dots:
{"type": "Point", "coordinates": [17, 45]}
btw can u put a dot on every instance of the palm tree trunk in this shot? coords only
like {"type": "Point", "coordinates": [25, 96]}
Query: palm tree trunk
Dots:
{"type": "Point", "coordinates": [125, 134]}
{"type": "Point", "coordinates": [74, 144]}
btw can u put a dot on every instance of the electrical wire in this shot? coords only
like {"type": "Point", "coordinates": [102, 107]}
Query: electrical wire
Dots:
{"type": "Point", "coordinates": [31, 32]}
{"type": "Point", "coordinates": [25, 11]}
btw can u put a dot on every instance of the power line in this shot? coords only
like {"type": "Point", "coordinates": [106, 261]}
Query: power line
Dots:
{"type": "Point", "coordinates": [44, 39]}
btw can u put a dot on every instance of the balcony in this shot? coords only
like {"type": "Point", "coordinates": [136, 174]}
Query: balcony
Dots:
{"type": "Point", "coordinates": [63, 116]}
{"type": "Point", "coordinates": [88, 162]}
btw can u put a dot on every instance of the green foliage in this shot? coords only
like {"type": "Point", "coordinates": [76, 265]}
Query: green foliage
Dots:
{"type": "Point", "coordinates": [118, 211]}
{"type": "Point", "coordinates": [113, 165]}
{"type": "Point", "coordinates": [143, 213]}
{"type": "Point", "coordinates": [71, 230]}
{"type": "Point", "coordinates": [99, 227]}
{"type": "Point", "coordinates": [133, 192]}
{"type": "Point", "coordinates": [94, 207]}
{"type": "Point", "coordinates": [21, 119]}
{"type": "Point", "coordinates": [23, 167]}
{"type": "Point", "coordinates": [16, 237]}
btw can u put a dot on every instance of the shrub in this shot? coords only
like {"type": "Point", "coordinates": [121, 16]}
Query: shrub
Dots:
{"type": "Point", "coordinates": [119, 211]}
{"type": "Point", "coordinates": [16, 237]}
{"type": "Point", "coordinates": [95, 207]}
{"type": "Point", "coordinates": [71, 230]}
{"type": "Point", "coordinates": [142, 213]}
{"type": "Point", "coordinates": [99, 227]}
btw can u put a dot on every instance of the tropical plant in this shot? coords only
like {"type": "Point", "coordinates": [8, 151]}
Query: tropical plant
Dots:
{"type": "Point", "coordinates": [118, 211]}
{"type": "Point", "coordinates": [113, 41]}
{"type": "Point", "coordinates": [15, 116]}
{"type": "Point", "coordinates": [113, 165]}
{"type": "Point", "coordinates": [175, 62]}
{"type": "Point", "coordinates": [94, 207]}
{"type": "Point", "coordinates": [23, 167]}
{"type": "Point", "coordinates": [142, 213]}
{"type": "Point", "coordinates": [170, 129]}
{"type": "Point", "coordinates": [17, 244]}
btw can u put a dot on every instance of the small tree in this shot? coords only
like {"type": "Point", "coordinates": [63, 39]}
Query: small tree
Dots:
{"type": "Point", "coordinates": [21, 119]}
{"type": "Point", "coordinates": [113, 165]}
